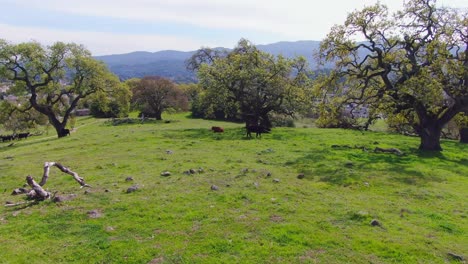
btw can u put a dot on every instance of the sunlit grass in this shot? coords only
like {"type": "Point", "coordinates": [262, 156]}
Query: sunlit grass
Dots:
{"type": "Point", "coordinates": [261, 213]}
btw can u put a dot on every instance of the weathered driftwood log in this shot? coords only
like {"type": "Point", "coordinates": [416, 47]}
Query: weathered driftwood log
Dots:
{"type": "Point", "coordinates": [75, 175]}
{"type": "Point", "coordinates": [37, 192]}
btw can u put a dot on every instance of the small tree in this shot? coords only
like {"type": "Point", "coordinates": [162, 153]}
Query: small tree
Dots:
{"type": "Point", "coordinates": [20, 120]}
{"type": "Point", "coordinates": [152, 95]}
{"type": "Point", "coordinates": [115, 104]}
{"type": "Point", "coordinates": [54, 78]}
{"type": "Point", "coordinates": [462, 122]}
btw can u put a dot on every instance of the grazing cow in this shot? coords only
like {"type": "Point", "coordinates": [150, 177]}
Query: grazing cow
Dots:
{"type": "Point", "coordinates": [65, 131]}
{"type": "Point", "coordinates": [7, 138]}
{"type": "Point", "coordinates": [258, 129]}
{"type": "Point", "coordinates": [23, 135]}
{"type": "Point", "coordinates": [217, 129]}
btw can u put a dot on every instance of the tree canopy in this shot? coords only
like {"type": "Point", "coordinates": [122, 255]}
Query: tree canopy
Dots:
{"type": "Point", "coordinates": [103, 104]}
{"type": "Point", "coordinates": [413, 63]}
{"type": "Point", "coordinates": [251, 82]}
{"type": "Point", "coordinates": [53, 78]}
{"type": "Point", "coordinates": [152, 95]}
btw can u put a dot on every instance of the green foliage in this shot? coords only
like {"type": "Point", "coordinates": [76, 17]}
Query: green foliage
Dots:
{"type": "Point", "coordinates": [18, 121]}
{"type": "Point", "coordinates": [401, 123]}
{"type": "Point", "coordinates": [325, 217]}
{"type": "Point", "coordinates": [115, 104]}
{"type": "Point", "coordinates": [53, 79]}
{"type": "Point", "coordinates": [249, 84]}
{"type": "Point", "coordinates": [412, 63]}
{"type": "Point", "coordinates": [461, 120]}
{"type": "Point", "coordinates": [332, 116]}
{"type": "Point", "coordinates": [282, 121]}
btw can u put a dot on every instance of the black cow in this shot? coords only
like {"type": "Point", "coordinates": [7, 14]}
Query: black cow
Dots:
{"type": "Point", "coordinates": [258, 129]}
{"type": "Point", "coordinates": [65, 131]}
{"type": "Point", "coordinates": [23, 135]}
{"type": "Point", "coordinates": [7, 138]}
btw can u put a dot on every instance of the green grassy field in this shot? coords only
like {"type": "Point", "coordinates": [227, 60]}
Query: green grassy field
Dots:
{"type": "Point", "coordinates": [261, 212]}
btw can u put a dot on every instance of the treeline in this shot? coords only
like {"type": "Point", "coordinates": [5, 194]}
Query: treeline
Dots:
{"type": "Point", "coordinates": [416, 80]}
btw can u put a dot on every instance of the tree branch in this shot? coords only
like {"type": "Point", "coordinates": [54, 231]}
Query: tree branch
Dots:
{"type": "Point", "coordinates": [64, 169]}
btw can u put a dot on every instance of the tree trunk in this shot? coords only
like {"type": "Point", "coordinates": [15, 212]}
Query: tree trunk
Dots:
{"type": "Point", "coordinates": [61, 131]}
{"type": "Point", "coordinates": [59, 126]}
{"type": "Point", "coordinates": [47, 110]}
{"type": "Point", "coordinates": [158, 116]}
{"type": "Point", "coordinates": [430, 138]}
{"type": "Point", "coordinates": [265, 121]}
{"type": "Point", "coordinates": [464, 135]}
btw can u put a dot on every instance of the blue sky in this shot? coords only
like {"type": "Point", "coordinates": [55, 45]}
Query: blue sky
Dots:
{"type": "Point", "coordinates": [121, 26]}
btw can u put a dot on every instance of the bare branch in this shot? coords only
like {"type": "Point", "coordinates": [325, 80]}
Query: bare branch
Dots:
{"type": "Point", "coordinates": [64, 169]}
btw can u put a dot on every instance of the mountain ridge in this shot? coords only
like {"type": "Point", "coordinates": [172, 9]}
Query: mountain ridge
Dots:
{"type": "Point", "coordinates": [171, 63]}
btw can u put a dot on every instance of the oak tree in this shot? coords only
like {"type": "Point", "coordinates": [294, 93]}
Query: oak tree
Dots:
{"type": "Point", "coordinates": [152, 95]}
{"type": "Point", "coordinates": [257, 83]}
{"type": "Point", "coordinates": [412, 63]}
{"type": "Point", "coordinates": [53, 78]}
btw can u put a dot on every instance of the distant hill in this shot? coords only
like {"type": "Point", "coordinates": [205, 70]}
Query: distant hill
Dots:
{"type": "Point", "coordinates": [305, 48]}
{"type": "Point", "coordinates": [171, 63]}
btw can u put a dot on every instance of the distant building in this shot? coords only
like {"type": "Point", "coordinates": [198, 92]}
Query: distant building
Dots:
{"type": "Point", "coordinates": [82, 112]}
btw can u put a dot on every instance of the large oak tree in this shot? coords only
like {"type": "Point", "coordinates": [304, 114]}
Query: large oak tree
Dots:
{"type": "Point", "coordinates": [414, 62]}
{"type": "Point", "coordinates": [53, 78]}
{"type": "Point", "coordinates": [256, 82]}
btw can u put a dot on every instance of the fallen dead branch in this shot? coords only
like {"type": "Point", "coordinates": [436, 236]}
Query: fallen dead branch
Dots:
{"type": "Point", "coordinates": [64, 169]}
{"type": "Point", "coordinates": [37, 192]}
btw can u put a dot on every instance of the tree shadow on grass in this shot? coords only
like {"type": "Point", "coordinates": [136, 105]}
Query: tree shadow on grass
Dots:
{"type": "Point", "coordinates": [345, 167]}
{"type": "Point", "coordinates": [202, 133]}
{"type": "Point", "coordinates": [137, 121]}
{"type": "Point", "coordinates": [26, 143]}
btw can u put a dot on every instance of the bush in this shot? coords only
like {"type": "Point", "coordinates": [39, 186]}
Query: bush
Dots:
{"type": "Point", "coordinates": [282, 121]}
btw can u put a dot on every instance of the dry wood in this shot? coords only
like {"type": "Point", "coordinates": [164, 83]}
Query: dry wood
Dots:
{"type": "Point", "coordinates": [37, 192]}
{"type": "Point", "coordinates": [75, 175]}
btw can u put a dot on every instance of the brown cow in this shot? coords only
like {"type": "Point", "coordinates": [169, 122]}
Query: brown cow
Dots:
{"type": "Point", "coordinates": [217, 129]}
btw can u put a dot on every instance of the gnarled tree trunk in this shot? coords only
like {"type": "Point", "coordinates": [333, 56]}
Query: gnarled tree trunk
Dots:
{"type": "Point", "coordinates": [430, 138]}
{"type": "Point", "coordinates": [464, 135]}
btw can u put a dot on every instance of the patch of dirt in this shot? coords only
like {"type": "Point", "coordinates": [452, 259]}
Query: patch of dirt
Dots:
{"type": "Point", "coordinates": [157, 260]}
{"type": "Point", "coordinates": [276, 218]}
{"type": "Point", "coordinates": [94, 213]}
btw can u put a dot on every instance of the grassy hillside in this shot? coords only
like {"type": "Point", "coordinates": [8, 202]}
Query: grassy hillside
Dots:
{"type": "Point", "coordinates": [261, 212]}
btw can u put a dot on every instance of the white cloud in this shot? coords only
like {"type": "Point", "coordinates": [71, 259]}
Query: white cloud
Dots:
{"type": "Point", "coordinates": [278, 19]}
{"type": "Point", "coordinates": [100, 43]}
{"type": "Point", "coordinates": [301, 19]}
